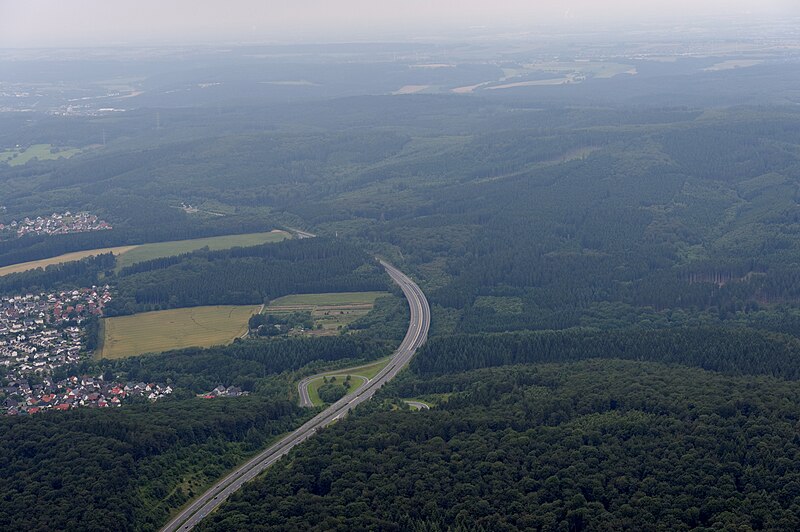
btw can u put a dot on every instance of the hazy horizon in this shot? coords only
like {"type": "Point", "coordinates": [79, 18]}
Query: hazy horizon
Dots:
{"type": "Point", "coordinates": [51, 23]}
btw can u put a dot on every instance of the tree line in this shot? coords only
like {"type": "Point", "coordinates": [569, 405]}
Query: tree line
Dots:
{"type": "Point", "coordinates": [243, 276]}
{"type": "Point", "coordinates": [731, 350]}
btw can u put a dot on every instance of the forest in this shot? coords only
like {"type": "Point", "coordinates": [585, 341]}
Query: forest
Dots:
{"type": "Point", "coordinates": [591, 445]}
{"type": "Point", "coordinates": [737, 351]}
{"type": "Point", "coordinates": [126, 469]}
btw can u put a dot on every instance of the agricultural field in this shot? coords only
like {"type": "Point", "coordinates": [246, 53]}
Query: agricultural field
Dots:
{"type": "Point", "coordinates": [330, 312]}
{"type": "Point", "coordinates": [128, 255]}
{"type": "Point", "coordinates": [155, 332]}
{"type": "Point", "coordinates": [42, 152]}
{"type": "Point", "coordinates": [177, 247]}
{"type": "Point", "coordinates": [68, 257]}
{"type": "Point", "coordinates": [734, 63]}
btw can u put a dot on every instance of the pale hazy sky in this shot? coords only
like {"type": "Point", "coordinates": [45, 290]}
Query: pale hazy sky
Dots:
{"type": "Point", "coordinates": [81, 22]}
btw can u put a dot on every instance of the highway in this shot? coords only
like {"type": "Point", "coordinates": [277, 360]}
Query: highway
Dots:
{"type": "Point", "coordinates": [418, 405]}
{"type": "Point", "coordinates": [415, 337]}
{"type": "Point", "coordinates": [301, 234]}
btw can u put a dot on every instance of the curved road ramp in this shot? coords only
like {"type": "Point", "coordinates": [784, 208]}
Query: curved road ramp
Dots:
{"type": "Point", "coordinates": [415, 337]}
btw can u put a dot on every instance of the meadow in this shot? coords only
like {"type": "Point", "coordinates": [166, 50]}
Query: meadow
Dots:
{"type": "Point", "coordinates": [330, 312]}
{"type": "Point", "coordinates": [41, 152]}
{"type": "Point", "coordinates": [164, 330]}
{"type": "Point", "coordinates": [158, 250]}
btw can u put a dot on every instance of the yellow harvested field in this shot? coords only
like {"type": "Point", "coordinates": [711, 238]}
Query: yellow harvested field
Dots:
{"type": "Point", "coordinates": [469, 89]}
{"type": "Point", "coordinates": [68, 257]}
{"type": "Point", "coordinates": [536, 83]}
{"type": "Point", "coordinates": [734, 63]}
{"type": "Point", "coordinates": [411, 89]}
{"type": "Point", "coordinates": [163, 330]}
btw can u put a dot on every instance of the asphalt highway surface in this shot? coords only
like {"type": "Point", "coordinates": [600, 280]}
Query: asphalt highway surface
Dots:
{"type": "Point", "coordinates": [415, 337]}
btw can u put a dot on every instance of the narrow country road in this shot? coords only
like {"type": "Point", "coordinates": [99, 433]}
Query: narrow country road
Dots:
{"type": "Point", "coordinates": [415, 337]}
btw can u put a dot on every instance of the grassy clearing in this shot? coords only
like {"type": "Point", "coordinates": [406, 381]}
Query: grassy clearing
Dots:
{"type": "Point", "coordinates": [42, 152]}
{"type": "Point", "coordinates": [330, 312]}
{"type": "Point", "coordinates": [68, 257]}
{"type": "Point", "coordinates": [504, 305]}
{"type": "Point", "coordinates": [168, 249]}
{"type": "Point", "coordinates": [155, 332]}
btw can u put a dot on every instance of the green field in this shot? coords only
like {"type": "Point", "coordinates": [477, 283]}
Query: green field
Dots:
{"type": "Point", "coordinates": [167, 249]}
{"type": "Point", "coordinates": [359, 376]}
{"type": "Point", "coordinates": [155, 332]}
{"type": "Point", "coordinates": [330, 312]}
{"type": "Point", "coordinates": [42, 152]}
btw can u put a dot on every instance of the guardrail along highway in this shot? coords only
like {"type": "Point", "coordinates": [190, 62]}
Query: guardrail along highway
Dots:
{"type": "Point", "coordinates": [415, 337]}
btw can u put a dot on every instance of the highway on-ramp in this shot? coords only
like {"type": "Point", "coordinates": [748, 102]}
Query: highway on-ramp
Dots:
{"type": "Point", "coordinates": [304, 385]}
{"type": "Point", "coordinates": [415, 337]}
{"type": "Point", "coordinates": [419, 405]}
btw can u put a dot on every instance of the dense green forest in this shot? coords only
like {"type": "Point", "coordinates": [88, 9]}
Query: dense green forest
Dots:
{"type": "Point", "coordinates": [594, 445]}
{"type": "Point", "coordinates": [126, 469]}
{"type": "Point", "coordinates": [569, 217]}
{"type": "Point", "coordinates": [737, 351]}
